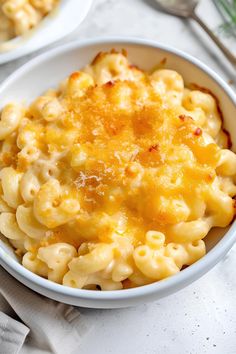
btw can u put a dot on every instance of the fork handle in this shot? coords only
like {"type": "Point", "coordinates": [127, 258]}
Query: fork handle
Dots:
{"type": "Point", "coordinates": [210, 33]}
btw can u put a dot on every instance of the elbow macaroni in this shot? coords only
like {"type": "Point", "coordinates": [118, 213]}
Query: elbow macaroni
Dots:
{"type": "Point", "coordinates": [115, 179]}
{"type": "Point", "coordinates": [19, 16]}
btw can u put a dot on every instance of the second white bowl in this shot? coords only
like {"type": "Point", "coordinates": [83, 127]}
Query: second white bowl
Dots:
{"type": "Point", "coordinates": [61, 22]}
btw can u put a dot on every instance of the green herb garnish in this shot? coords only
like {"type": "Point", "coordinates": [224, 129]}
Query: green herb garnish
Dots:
{"type": "Point", "coordinates": [227, 8]}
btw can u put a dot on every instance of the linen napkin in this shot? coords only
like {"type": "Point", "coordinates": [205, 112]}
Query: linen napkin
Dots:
{"type": "Point", "coordinates": [33, 324]}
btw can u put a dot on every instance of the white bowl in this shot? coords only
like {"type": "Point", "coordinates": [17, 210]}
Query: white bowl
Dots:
{"type": "Point", "coordinates": [61, 22]}
{"type": "Point", "coordinates": [47, 71]}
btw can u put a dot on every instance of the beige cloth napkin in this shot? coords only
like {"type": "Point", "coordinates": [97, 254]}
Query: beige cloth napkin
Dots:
{"type": "Point", "coordinates": [33, 324]}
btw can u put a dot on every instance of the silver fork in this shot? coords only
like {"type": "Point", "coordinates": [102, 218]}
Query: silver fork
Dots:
{"type": "Point", "coordinates": [186, 9]}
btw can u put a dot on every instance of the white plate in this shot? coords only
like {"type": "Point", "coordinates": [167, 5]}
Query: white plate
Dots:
{"type": "Point", "coordinates": [61, 22]}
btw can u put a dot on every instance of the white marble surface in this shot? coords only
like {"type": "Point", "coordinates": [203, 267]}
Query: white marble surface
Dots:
{"type": "Point", "coordinates": [202, 317]}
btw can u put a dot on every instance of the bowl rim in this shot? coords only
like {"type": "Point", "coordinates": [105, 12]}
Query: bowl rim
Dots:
{"type": "Point", "coordinates": [167, 285]}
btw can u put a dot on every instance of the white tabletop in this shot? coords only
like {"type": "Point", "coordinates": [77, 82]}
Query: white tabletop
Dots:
{"type": "Point", "coordinates": [202, 317]}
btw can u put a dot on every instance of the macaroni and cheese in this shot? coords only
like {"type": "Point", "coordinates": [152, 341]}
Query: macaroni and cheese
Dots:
{"type": "Point", "coordinates": [19, 16]}
{"type": "Point", "coordinates": [114, 179]}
